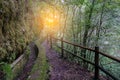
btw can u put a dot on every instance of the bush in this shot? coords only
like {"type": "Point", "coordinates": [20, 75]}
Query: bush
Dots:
{"type": "Point", "coordinates": [7, 71]}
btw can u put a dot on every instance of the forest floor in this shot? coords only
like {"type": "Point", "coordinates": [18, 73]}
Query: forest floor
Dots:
{"type": "Point", "coordinates": [61, 69]}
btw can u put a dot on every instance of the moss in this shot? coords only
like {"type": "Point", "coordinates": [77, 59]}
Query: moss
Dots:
{"type": "Point", "coordinates": [3, 53]}
{"type": "Point", "coordinates": [14, 30]}
{"type": "Point", "coordinates": [19, 66]}
{"type": "Point", "coordinates": [41, 67]}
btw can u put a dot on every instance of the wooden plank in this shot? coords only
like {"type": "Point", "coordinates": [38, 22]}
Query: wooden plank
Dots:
{"type": "Point", "coordinates": [17, 61]}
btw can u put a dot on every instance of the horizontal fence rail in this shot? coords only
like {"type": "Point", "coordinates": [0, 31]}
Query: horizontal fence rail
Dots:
{"type": "Point", "coordinates": [104, 54]}
{"type": "Point", "coordinates": [96, 58]}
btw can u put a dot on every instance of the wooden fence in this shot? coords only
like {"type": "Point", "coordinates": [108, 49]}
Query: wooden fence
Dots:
{"type": "Point", "coordinates": [96, 57]}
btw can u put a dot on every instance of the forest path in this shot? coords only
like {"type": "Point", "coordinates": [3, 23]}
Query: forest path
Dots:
{"type": "Point", "coordinates": [61, 69]}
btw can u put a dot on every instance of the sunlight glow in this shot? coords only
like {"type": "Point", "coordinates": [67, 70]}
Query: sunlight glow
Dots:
{"type": "Point", "coordinates": [51, 19]}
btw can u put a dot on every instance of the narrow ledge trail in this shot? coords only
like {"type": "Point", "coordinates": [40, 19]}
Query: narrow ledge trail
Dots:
{"type": "Point", "coordinates": [23, 75]}
{"type": "Point", "coordinates": [61, 69]}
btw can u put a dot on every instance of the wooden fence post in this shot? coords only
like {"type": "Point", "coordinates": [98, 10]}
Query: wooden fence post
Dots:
{"type": "Point", "coordinates": [62, 47]}
{"type": "Point", "coordinates": [75, 53]}
{"type": "Point", "coordinates": [96, 75]}
{"type": "Point", "coordinates": [50, 41]}
{"type": "Point", "coordinates": [47, 39]}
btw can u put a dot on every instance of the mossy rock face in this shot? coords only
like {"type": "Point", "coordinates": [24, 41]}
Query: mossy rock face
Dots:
{"type": "Point", "coordinates": [14, 29]}
{"type": "Point", "coordinates": [3, 53]}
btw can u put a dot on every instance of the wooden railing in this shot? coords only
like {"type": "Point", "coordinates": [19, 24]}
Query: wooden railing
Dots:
{"type": "Point", "coordinates": [2, 75]}
{"type": "Point", "coordinates": [96, 57]}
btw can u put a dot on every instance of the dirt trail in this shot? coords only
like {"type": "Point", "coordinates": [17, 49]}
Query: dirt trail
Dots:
{"type": "Point", "coordinates": [62, 69]}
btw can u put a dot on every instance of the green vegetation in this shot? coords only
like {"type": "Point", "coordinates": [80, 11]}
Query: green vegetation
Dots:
{"type": "Point", "coordinates": [17, 68]}
{"type": "Point", "coordinates": [16, 31]}
{"type": "Point", "coordinates": [90, 23]}
{"type": "Point", "coordinates": [6, 68]}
